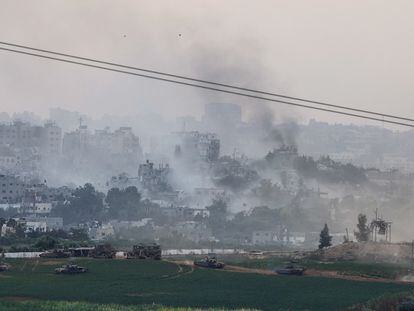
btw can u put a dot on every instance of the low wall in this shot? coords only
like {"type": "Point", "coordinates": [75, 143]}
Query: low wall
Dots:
{"type": "Point", "coordinates": [201, 251]}
{"type": "Point", "coordinates": [22, 255]}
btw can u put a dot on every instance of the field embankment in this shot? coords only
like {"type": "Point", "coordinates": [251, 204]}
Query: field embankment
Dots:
{"type": "Point", "coordinates": [146, 283]}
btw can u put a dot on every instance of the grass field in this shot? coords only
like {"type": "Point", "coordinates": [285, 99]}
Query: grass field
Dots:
{"type": "Point", "coordinates": [84, 306]}
{"type": "Point", "coordinates": [134, 282]}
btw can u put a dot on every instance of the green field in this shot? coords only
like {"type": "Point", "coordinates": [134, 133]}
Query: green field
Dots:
{"type": "Point", "coordinates": [85, 306]}
{"type": "Point", "coordinates": [135, 282]}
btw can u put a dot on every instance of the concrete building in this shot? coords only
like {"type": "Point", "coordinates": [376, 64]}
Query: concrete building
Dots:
{"type": "Point", "coordinates": [115, 151]}
{"type": "Point", "coordinates": [264, 237]}
{"type": "Point", "coordinates": [7, 206]}
{"type": "Point", "coordinates": [51, 139]}
{"type": "Point", "coordinates": [9, 160]}
{"type": "Point", "coordinates": [205, 196]}
{"type": "Point", "coordinates": [102, 232]}
{"type": "Point", "coordinates": [153, 178]}
{"type": "Point", "coordinates": [124, 141]}
{"type": "Point", "coordinates": [194, 231]}
{"type": "Point", "coordinates": [268, 237]}
{"type": "Point", "coordinates": [181, 213]}
{"type": "Point", "coordinates": [197, 146]}
{"type": "Point", "coordinates": [40, 208]}
{"type": "Point", "coordinates": [43, 224]}
{"type": "Point", "coordinates": [20, 135]}
{"type": "Point", "coordinates": [77, 143]}
{"type": "Point", "coordinates": [24, 147]}
{"type": "Point", "coordinates": [191, 213]}
{"type": "Point", "coordinates": [11, 189]}
{"type": "Point", "coordinates": [120, 142]}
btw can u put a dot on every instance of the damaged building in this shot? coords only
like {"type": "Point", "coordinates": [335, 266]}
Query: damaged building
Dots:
{"type": "Point", "coordinates": [154, 178]}
{"type": "Point", "coordinates": [197, 146]}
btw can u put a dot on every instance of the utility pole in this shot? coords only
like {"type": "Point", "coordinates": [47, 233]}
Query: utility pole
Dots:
{"type": "Point", "coordinates": [375, 228]}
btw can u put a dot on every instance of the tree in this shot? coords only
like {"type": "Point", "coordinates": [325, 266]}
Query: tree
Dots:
{"type": "Point", "coordinates": [324, 238]}
{"type": "Point", "coordinates": [125, 204]}
{"type": "Point", "coordinates": [46, 242]}
{"type": "Point", "coordinates": [20, 231]}
{"type": "Point", "coordinates": [11, 223]}
{"type": "Point", "coordinates": [2, 221]}
{"type": "Point", "coordinates": [362, 235]}
{"type": "Point", "coordinates": [78, 234]}
{"type": "Point", "coordinates": [86, 204]}
{"type": "Point", "coordinates": [218, 214]}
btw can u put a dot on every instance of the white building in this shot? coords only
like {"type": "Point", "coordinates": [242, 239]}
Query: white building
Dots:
{"type": "Point", "coordinates": [101, 232]}
{"type": "Point", "coordinates": [43, 224]}
{"type": "Point", "coordinates": [41, 208]}
{"type": "Point", "coordinates": [6, 206]}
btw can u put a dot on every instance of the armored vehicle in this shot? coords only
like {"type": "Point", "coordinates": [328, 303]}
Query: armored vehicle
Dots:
{"type": "Point", "coordinates": [4, 267]}
{"type": "Point", "coordinates": [209, 262]}
{"type": "Point", "coordinates": [71, 269]}
{"type": "Point", "coordinates": [290, 270]}
{"type": "Point", "coordinates": [145, 251]}
{"type": "Point", "coordinates": [103, 251]}
{"type": "Point", "coordinates": [56, 253]}
{"type": "Point", "coordinates": [80, 251]}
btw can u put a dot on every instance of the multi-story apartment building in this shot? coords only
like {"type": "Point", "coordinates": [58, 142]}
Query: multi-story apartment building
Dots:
{"type": "Point", "coordinates": [204, 146]}
{"type": "Point", "coordinates": [19, 136]}
{"type": "Point", "coordinates": [11, 189]}
{"type": "Point", "coordinates": [103, 151]}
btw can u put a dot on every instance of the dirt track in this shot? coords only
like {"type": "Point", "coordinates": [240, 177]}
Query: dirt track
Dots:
{"type": "Point", "coordinates": [310, 273]}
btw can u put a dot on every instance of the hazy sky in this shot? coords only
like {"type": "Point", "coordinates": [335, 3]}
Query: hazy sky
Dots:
{"type": "Point", "coordinates": [356, 53]}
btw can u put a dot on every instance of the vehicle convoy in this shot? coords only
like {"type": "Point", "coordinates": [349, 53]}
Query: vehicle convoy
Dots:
{"type": "Point", "coordinates": [103, 251]}
{"type": "Point", "coordinates": [71, 269]}
{"type": "Point", "coordinates": [209, 262]}
{"type": "Point", "coordinates": [56, 253]}
{"type": "Point", "coordinates": [290, 270]}
{"type": "Point", "coordinates": [145, 251]}
{"type": "Point", "coordinates": [4, 267]}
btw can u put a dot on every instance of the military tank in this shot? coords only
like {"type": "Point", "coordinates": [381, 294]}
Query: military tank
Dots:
{"type": "Point", "coordinates": [103, 251]}
{"type": "Point", "coordinates": [145, 251]}
{"type": "Point", "coordinates": [56, 253]}
{"type": "Point", "coordinates": [209, 262]}
{"type": "Point", "coordinates": [71, 269]}
{"type": "Point", "coordinates": [290, 270]}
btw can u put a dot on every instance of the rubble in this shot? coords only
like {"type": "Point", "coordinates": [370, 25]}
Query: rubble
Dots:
{"type": "Point", "coordinates": [366, 251]}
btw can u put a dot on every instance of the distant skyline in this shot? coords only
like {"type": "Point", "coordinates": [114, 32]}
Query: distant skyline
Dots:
{"type": "Point", "coordinates": [354, 53]}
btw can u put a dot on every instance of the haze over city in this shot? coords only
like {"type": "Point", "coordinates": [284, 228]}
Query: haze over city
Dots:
{"type": "Point", "coordinates": [206, 155]}
{"type": "Point", "coordinates": [321, 50]}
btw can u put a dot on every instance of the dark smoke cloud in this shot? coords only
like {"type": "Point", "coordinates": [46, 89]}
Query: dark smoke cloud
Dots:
{"type": "Point", "coordinates": [274, 132]}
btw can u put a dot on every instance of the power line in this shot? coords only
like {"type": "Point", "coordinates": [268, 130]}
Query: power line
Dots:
{"type": "Point", "coordinates": [210, 82]}
{"type": "Point", "coordinates": [208, 88]}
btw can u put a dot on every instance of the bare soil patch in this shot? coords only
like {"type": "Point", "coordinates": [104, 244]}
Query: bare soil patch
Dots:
{"type": "Point", "coordinates": [248, 270]}
{"type": "Point", "coordinates": [52, 262]}
{"type": "Point", "coordinates": [17, 298]}
{"type": "Point", "coordinates": [147, 294]}
{"type": "Point", "coordinates": [309, 272]}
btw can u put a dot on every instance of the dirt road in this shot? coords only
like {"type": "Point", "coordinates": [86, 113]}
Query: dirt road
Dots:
{"type": "Point", "coordinates": [309, 273]}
